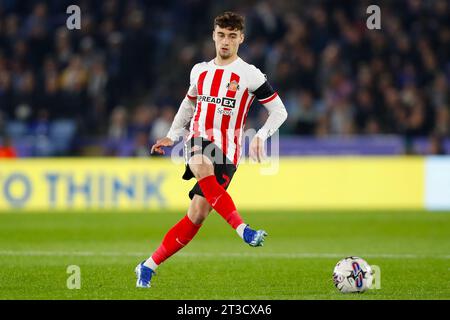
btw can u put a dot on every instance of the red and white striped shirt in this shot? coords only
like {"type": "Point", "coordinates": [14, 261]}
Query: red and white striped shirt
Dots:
{"type": "Point", "coordinates": [223, 96]}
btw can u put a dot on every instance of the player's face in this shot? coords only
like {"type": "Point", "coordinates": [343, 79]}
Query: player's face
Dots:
{"type": "Point", "coordinates": [227, 41]}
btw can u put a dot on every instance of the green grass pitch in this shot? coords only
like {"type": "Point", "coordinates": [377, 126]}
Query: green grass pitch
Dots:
{"type": "Point", "coordinates": [412, 248]}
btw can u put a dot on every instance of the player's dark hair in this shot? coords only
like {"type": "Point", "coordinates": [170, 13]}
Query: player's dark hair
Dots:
{"type": "Point", "coordinates": [230, 20]}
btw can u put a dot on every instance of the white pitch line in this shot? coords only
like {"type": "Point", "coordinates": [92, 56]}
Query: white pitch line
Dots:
{"type": "Point", "coordinates": [299, 255]}
{"type": "Point", "coordinates": [305, 255]}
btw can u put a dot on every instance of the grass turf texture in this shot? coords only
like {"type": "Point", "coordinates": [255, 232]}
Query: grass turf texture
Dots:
{"type": "Point", "coordinates": [411, 248]}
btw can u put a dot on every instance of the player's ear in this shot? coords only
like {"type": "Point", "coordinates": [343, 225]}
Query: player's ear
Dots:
{"type": "Point", "coordinates": [242, 38]}
{"type": "Point", "coordinates": [213, 35]}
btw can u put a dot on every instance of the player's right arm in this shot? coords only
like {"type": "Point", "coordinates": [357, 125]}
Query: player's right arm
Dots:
{"type": "Point", "coordinates": [182, 118]}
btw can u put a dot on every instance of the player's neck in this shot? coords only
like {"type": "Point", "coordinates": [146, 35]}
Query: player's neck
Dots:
{"type": "Point", "coordinates": [223, 62]}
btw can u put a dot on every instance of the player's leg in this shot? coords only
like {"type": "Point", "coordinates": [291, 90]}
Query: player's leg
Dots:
{"type": "Point", "coordinates": [199, 209]}
{"type": "Point", "coordinates": [183, 232]}
{"type": "Point", "coordinates": [217, 196]}
{"type": "Point", "coordinates": [175, 239]}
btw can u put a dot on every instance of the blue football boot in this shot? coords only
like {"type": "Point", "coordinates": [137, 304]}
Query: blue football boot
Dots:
{"type": "Point", "coordinates": [254, 238]}
{"type": "Point", "coordinates": [144, 275]}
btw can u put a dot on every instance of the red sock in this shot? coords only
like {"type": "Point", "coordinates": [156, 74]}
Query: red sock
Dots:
{"type": "Point", "coordinates": [177, 237]}
{"type": "Point", "coordinates": [220, 200]}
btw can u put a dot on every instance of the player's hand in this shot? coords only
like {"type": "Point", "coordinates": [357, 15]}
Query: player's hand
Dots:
{"type": "Point", "coordinates": [158, 146]}
{"type": "Point", "coordinates": [256, 150]}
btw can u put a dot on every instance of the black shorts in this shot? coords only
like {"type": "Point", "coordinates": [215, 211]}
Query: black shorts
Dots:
{"type": "Point", "coordinates": [224, 168]}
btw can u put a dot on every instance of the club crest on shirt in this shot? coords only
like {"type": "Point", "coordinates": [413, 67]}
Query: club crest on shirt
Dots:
{"type": "Point", "coordinates": [233, 86]}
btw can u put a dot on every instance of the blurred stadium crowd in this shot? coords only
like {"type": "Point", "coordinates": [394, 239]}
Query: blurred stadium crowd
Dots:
{"type": "Point", "coordinates": [114, 86]}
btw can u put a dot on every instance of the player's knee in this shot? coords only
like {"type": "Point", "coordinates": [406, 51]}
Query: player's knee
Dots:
{"type": "Point", "coordinates": [205, 171]}
{"type": "Point", "coordinates": [199, 209]}
{"type": "Point", "coordinates": [197, 218]}
{"type": "Point", "coordinates": [198, 214]}
{"type": "Point", "coordinates": [201, 167]}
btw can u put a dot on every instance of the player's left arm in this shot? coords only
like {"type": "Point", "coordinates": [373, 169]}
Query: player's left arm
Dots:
{"type": "Point", "coordinates": [277, 116]}
{"type": "Point", "coordinates": [277, 111]}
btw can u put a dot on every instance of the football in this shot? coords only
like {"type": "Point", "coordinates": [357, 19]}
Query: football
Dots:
{"type": "Point", "coordinates": [352, 275]}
